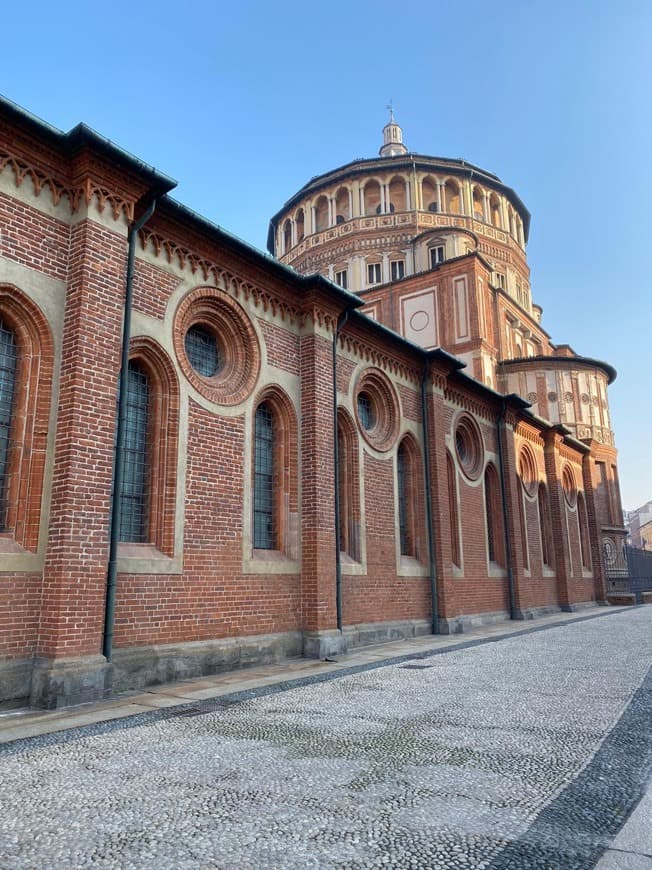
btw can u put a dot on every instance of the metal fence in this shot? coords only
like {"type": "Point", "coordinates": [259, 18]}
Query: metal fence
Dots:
{"type": "Point", "coordinates": [636, 578]}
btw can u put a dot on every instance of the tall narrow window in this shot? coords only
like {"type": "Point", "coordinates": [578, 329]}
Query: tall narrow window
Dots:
{"type": "Point", "coordinates": [493, 513]}
{"type": "Point", "coordinates": [405, 501]}
{"type": "Point", "coordinates": [544, 525]}
{"type": "Point", "coordinates": [583, 521]}
{"type": "Point", "coordinates": [8, 358]}
{"type": "Point", "coordinates": [264, 513]}
{"type": "Point", "coordinates": [134, 496]}
{"type": "Point", "coordinates": [437, 255]}
{"type": "Point", "coordinates": [397, 269]}
{"type": "Point", "coordinates": [373, 273]}
{"type": "Point", "coordinates": [348, 532]}
{"type": "Point", "coordinates": [456, 556]}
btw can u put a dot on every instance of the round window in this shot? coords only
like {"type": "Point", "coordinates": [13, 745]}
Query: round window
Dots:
{"type": "Point", "coordinates": [202, 351]}
{"type": "Point", "coordinates": [469, 447]}
{"type": "Point", "coordinates": [377, 409]}
{"type": "Point", "coordinates": [216, 345]}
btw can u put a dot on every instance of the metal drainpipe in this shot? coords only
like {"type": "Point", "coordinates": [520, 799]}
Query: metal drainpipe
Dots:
{"type": "Point", "coordinates": [341, 321]}
{"type": "Point", "coordinates": [432, 567]}
{"type": "Point", "coordinates": [118, 461]}
{"type": "Point", "coordinates": [503, 498]}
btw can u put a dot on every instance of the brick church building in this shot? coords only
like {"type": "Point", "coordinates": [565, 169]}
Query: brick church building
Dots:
{"type": "Point", "coordinates": [366, 436]}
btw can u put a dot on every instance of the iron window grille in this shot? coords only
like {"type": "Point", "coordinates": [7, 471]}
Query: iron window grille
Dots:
{"type": "Point", "coordinates": [264, 513]}
{"type": "Point", "coordinates": [8, 362]}
{"type": "Point", "coordinates": [134, 495]}
{"type": "Point", "coordinates": [403, 474]}
{"type": "Point", "coordinates": [202, 351]}
{"type": "Point", "coordinates": [366, 412]}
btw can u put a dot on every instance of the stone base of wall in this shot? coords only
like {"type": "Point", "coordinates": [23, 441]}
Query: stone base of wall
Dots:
{"type": "Point", "coordinates": [385, 632]}
{"type": "Point", "coordinates": [142, 666]}
{"type": "Point", "coordinates": [622, 599]}
{"type": "Point", "coordinates": [646, 597]}
{"type": "Point", "coordinates": [15, 682]}
{"type": "Point", "coordinates": [331, 643]}
{"type": "Point", "coordinates": [467, 622]}
{"type": "Point", "coordinates": [538, 612]}
{"type": "Point", "coordinates": [62, 682]}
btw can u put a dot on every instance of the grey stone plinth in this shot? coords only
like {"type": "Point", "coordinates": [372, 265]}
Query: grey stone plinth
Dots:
{"type": "Point", "coordinates": [467, 622]}
{"type": "Point", "coordinates": [61, 682]}
{"type": "Point", "coordinates": [385, 632]}
{"type": "Point", "coordinates": [622, 599]}
{"type": "Point", "coordinates": [139, 667]}
{"type": "Point", "coordinates": [15, 681]}
{"type": "Point", "coordinates": [323, 644]}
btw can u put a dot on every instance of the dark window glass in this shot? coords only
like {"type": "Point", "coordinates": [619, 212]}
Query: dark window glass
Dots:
{"type": "Point", "coordinates": [134, 496]}
{"type": "Point", "coordinates": [264, 527]}
{"type": "Point", "coordinates": [403, 475]}
{"type": "Point", "coordinates": [201, 349]}
{"type": "Point", "coordinates": [366, 412]}
{"type": "Point", "coordinates": [397, 268]}
{"type": "Point", "coordinates": [544, 525]}
{"type": "Point", "coordinates": [8, 359]}
{"type": "Point", "coordinates": [489, 500]}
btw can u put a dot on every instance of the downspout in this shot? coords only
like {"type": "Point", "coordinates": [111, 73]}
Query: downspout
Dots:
{"type": "Point", "coordinates": [341, 321]}
{"type": "Point", "coordinates": [503, 499]}
{"type": "Point", "coordinates": [432, 567]}
{"type": "Point", "coordinates": [118, 461]}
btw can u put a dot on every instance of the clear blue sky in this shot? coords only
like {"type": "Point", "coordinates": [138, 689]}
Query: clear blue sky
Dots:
{"type": "Point", "coordinates": [243, 102]}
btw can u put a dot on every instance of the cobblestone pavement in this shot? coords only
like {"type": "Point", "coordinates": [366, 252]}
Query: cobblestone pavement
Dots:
{"type": "Point", "coordinates": [527, 752]}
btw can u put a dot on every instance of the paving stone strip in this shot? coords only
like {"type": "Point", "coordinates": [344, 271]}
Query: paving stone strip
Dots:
{"type": "Point", "coordinates": [527, 752]}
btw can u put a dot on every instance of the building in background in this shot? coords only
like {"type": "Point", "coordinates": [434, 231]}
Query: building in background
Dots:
{"type": "Point", "coordinates": [639, 526]}
{"type": "Point", "coordinates": [436, 249]}
{"type": "Point", "coordinates": [309, 464]}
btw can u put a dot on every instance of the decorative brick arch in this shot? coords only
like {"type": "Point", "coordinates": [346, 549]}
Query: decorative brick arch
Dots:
{"type": "Point", "coordinates": [349, 486]}
{"type": "Point", "coordinates": [411, 508]}
{"type": "Point", "coordinates": [26, 458]}
{"type": "Point", "coordinates": [381, 431]}
{"type": "Point", "coordinates": [453, 511]}
{"type": "Point", "coordinates": [238, 345]}
{"type": "Point", "coordinates": [163, 438]}
{"type": "Point", "coordinates": [285, 464]}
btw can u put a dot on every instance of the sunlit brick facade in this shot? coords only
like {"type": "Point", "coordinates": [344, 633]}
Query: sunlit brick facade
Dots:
{"type": "Point", "coordinates": [298, 478]}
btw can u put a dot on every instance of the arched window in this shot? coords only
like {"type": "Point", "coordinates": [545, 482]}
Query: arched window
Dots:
{"type": "Point", "coordinates": [299, 221]}
{"type": "Point", "coordinates": [147, 497]}
{"type": "Point", "coordinates": [274, 513]}
{"type": "Point", "coordinates": [583, 521]}
{"type": "Point", "coordinates": [409, 489]}
{"type": "Point", "coordinates": [134, 493]}
{"type": "Point", "coordinates": [287, 236]}
{"type": "Point", "coordinates": [494, 205]}
{"type": "Point", "coordinates": [371, 198]}
{"type": "Point", "coordinates": [348, 488]}
{"type": "Point", "coordinates": [545, 528]}
{"type": "Point", "coordinates": [493, 515]}
{"type": "Point", "coordinates": [342, 209]}
{"type": "Point", "coordinates": [8, 361]}
{"type": "Point", "coordinates": [453, 198]}
{"type": "Point", "coordinates": [456, 555]}
{"type": "Point", "coordinates": [321, 214]}
{"type": "Point", "coordinates": [478, 204]}
{"type": "Point", "coordinates": [265, 537]}
{"type": "Point", "coordinates": [26, 372]}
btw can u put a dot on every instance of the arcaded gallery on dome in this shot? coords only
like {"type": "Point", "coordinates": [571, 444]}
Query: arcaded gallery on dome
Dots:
{"type": "Point", "coordinates": [367, 436]}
